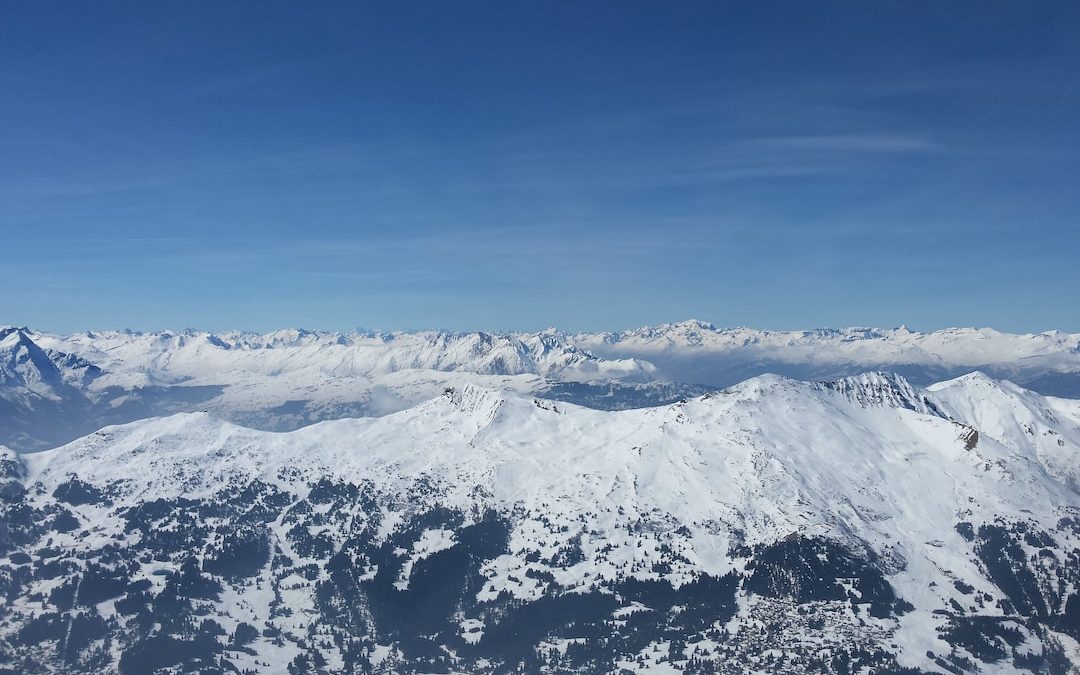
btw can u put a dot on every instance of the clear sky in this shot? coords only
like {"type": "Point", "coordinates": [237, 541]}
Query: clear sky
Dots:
{"type": "Point", "coordinates": [512, 165]}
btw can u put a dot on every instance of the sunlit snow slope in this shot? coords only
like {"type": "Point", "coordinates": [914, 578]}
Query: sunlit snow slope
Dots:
{"type": "Point", "coordinates": [859, 525]}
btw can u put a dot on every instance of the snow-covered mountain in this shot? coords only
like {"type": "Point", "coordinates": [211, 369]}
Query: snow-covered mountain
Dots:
{"type": "Point", "coordinates": [28, 369]}
{"type": "Point", "coordinates": [696, 351]}
{"type": "Point", "coordinates": [286, 379]}
{"type": "Point", "coordinates": [168, 357]}
{"type": "Point", "coordinates": [859, 525]}
{"type": "Point", "coordinates": [1041, 426]}
{"type": "Point", "coordinates": [42, 394]}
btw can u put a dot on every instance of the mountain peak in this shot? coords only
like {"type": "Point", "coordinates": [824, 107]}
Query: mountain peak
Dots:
{"type": "Point", "coordinates": [475, 400]}
{"type": "Point", "coordinates": [880, 389]}
{"type": "Point", "coordinates": [695, 324]}
{"type": "Point", "coordinates": [23, 362]}
{"type": "Point", "coordinates": [975, 378]}
{"type": "Point", "coordinates": [1040, 427]}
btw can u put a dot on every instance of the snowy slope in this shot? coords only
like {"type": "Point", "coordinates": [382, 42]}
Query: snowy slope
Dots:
{"type": "Point", "coordinates": [851, 519]}
{"type": "Point", "coordinates": [878, 474]}
{"type": "Point", "coordinates": [1041, 426]}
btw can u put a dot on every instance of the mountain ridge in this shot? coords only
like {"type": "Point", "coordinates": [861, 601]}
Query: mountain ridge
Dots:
{"type": "Point", "coordinates": [715, 522]}
{"type": "Point", "coordinates": [288, 378]}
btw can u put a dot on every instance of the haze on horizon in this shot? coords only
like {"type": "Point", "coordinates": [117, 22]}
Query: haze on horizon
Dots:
{"type": "Point", "coordinates": [779, 165]}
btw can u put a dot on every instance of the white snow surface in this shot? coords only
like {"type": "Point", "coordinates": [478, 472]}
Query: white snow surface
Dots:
{"type": "Point", "coordinates": [1044, 427]}
{"type": "Point", "coordinates": [870, 461]}
{"type": "Point", "coordinates": [754, 464]}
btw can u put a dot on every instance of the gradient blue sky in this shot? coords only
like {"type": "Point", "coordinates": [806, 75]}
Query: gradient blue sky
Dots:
{"type": "Point", "coordinates": [517, 165]}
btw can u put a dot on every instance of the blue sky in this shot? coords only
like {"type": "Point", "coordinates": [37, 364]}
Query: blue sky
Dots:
{"type": "Point", "coordinates": [518, 165]}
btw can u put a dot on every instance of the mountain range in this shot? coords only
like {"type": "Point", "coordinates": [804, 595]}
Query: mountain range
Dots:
{"type": "Point", "coordinates": [695, 351]}
{"type": "Point", "coordinates": [55, 388]}
{"type": "Point", "coordinates": [866, 523]}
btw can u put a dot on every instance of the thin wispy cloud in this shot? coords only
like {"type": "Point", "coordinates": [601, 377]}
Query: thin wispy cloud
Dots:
{"type": "Point", "coordinates": [868, 143]}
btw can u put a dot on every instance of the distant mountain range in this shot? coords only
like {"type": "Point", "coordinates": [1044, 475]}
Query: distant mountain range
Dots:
{"type": "Point", "coordinates": [695, 351]}
{"type": "Point", "coordinates": [860, 525]}
{"type": "Point", "coordinates": [54, 388]}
